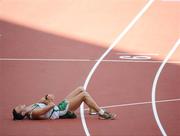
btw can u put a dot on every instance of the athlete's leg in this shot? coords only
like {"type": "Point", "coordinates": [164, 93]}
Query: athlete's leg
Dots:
{"type": "Point", "coordinates": [75, 92]}
{"type": "Point", "coordinates": [76, 101]}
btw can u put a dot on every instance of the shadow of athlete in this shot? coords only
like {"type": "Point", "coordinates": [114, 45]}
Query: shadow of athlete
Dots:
{"type": "Point", "coordinates": [45, 108]}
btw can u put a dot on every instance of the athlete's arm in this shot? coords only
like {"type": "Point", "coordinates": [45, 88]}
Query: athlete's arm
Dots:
{"type": "Point", "coordinates": [38, 112]}
{"type": "Point", "coordinates": [47, 99]}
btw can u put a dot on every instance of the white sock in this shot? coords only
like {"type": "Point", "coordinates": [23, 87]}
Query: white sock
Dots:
{"type": "Point", "coordinates": [101, 112]}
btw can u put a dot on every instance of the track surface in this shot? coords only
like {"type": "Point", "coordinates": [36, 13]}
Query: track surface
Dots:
{"type": "Point", "coordinates": [50, 47]}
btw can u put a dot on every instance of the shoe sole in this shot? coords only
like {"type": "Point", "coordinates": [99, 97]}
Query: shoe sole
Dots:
{"type": "Point", "coordinates": [111, 118]}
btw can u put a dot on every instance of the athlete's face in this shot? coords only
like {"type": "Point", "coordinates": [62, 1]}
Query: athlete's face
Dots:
{"type": "Point", "coordinates": [20, 108]}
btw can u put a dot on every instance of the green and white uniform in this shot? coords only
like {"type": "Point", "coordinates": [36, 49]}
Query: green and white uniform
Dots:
{"type": "Point", "coordinates": [59, 110]}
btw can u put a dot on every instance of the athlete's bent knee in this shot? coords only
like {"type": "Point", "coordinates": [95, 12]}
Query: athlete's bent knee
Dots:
{"type": "Point", "coordinates": [81, 88]}
{"type": "Point", "coordinates": [85, 94]}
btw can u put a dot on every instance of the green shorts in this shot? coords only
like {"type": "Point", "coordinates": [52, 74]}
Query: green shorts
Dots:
{"type": "Point", "coordinates": [63, 107]}
{"type": "Point", "coordinates": [64, 113]}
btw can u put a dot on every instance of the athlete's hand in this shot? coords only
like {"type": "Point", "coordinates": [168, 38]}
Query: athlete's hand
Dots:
{"type": "Point", "coordinates": [50, 97]}
{"type": "Point", "coordinates": [47, 99]}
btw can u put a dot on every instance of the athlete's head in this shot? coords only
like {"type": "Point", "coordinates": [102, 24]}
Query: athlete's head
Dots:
{"type": "Point", "coordinates": [19, 112]}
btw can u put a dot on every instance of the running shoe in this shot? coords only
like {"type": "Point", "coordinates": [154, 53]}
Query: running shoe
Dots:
{"type": "Point", "coordinates": [107, 116]}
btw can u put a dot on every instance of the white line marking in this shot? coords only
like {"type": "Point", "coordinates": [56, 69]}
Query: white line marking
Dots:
{"type": "Point", "coordinates": [138, 103]}
{"type": "Point", "coordinates": [144, 54]}
{"type": "Point", "coordinates": [86, 60]}
{"type": "Point", "coordinates": [135, 57]}
{"type": "Point", "coordinates": [53, 60]}
{"type": "Point", "coordinates": [155, 84]}
{"type": "Point", "coordinates": [120, 36]}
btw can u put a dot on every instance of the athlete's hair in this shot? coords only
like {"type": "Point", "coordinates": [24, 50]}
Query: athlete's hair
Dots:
{"type": "Point", "coordinates": [17, 116]}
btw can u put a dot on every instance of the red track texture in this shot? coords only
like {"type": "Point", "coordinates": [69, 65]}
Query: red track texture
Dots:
{"type": "Point", "coordinates": [40, 31]}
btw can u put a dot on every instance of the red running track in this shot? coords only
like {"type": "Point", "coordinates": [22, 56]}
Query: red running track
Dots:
{"type": "Point", "coordinates": [50, 47]}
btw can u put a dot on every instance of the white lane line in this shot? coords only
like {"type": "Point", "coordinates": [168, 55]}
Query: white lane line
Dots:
{"type": "Point", "coordinates": [155, 84]}
{"type": "Point", "coordinates": [138, 103]}
{"type": "Point", "coordinates": [144, 54]}
{"type": "Point", "coordinates": [87, 60]}
{"type": "Point", "coordinates": [120, 36]}
{"type": "Point", "coordinates": [53, 60]}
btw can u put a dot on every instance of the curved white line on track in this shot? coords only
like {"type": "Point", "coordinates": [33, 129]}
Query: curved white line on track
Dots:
{"type": "Point", "coordinates": [155, 84]}
{"type": "Point", "coordinates": [120, 36]}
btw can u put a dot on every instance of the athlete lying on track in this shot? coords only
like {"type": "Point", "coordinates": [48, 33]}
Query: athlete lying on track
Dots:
{"type": "Point", "coordinates": [46, 109]}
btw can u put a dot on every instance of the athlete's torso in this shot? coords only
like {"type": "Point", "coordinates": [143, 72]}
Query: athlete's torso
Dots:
{"type": "Point", "coordinates": [52, 114]}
